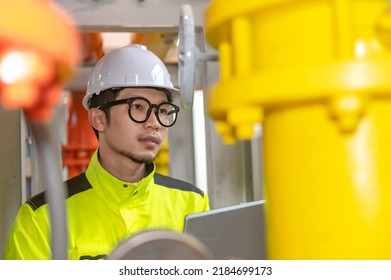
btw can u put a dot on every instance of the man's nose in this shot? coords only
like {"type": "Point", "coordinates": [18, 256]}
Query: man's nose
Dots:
{"type": "Point", "coordinates": [152, 120]}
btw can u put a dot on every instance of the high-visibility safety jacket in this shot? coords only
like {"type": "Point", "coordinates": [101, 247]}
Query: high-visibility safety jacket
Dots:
{"type": "Point", "coordinates": [102, 211]}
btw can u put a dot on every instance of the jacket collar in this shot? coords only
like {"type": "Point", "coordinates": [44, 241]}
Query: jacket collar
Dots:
{"type": "Point", "coordinates": [113, 189]}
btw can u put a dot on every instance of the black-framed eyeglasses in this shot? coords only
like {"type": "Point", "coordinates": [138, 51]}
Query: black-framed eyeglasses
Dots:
{"type": "Point", "coordinates": [139, 110]}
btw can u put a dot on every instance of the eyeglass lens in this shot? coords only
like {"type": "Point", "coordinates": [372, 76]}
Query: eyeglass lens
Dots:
{"type": "Point", "coordinates": [140, 110]}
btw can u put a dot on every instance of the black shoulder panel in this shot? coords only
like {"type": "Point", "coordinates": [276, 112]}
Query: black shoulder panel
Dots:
{"type": "Point", "coordinates": [75, 185]}
{"type": "Point", "coordinates": [78, 184]}
{"type": "Point", "coordinates": [170, 182]}
{"type": "Point", "coordinates": [36, 201]}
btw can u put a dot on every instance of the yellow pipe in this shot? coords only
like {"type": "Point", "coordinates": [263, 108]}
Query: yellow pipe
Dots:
{"type": "Point", "coordinates": [317, 77]}
{"type": "Point", "coordinates": [162, 160]}
{"type": "Point", "coordinates": [242, 44]}
{"type": "Point", "coordinates": [226, 68]}
{"type": "Point", "coordinates": [342, 10]}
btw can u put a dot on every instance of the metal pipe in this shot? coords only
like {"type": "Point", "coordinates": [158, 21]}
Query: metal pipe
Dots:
{"type": "Point", "coordinates": [49, 160]}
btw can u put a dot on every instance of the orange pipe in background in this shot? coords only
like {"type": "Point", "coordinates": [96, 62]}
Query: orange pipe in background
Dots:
{"type": "Point", "coordinates": [81, 141]}
{"type": "Point", "coordinates": [92, 47]}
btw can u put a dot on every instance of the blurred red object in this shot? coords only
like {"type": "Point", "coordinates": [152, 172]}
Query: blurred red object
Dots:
{"type": "Point", "coordinates": [39, 50]}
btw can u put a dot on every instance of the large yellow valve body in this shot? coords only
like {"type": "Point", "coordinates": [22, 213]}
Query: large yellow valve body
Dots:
{"type": "Point", "coordinates": [317, 75]}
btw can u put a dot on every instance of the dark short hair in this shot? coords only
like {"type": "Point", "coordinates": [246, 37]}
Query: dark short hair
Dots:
{"type": "Point", "coordinates": [105, 96]}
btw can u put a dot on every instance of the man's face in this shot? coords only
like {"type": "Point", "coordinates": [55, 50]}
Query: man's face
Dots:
{"type": "Point", "coordinates": [139, 142]}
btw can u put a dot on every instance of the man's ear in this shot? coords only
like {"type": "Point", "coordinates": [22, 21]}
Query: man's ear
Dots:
{"type": "Point", "coordinates": [97, 119]}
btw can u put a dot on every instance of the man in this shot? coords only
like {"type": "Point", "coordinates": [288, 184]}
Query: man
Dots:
{"type": "Point", "coordinates": [129, 102]}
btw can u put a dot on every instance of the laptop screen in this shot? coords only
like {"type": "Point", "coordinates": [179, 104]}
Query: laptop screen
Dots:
{"type": "Point", "coordinates": [233, 232]}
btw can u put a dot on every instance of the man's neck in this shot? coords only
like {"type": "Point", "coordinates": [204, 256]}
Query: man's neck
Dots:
{"type": "Point", "coordinates": [123, 168]}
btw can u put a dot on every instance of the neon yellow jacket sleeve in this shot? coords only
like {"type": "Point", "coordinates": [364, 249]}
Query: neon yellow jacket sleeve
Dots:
{"type": "Point", "coordinates": [28, 238]}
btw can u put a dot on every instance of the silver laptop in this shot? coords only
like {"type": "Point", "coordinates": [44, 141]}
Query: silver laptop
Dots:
{"type": "Point", "coordinates": [233, 232]}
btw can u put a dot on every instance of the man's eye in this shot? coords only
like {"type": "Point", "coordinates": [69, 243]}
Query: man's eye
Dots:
{"type": "Point", "coordinates": [137, 106]}
{"type": "Point", "coordinates": [163, 111]}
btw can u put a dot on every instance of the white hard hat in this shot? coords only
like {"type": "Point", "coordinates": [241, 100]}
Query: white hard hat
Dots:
{"type": "Point", "coordinates": [130, 66]}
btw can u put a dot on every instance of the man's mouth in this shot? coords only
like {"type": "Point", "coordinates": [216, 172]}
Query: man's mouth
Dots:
{"type": "Point", "coordinates": [150, 139]}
